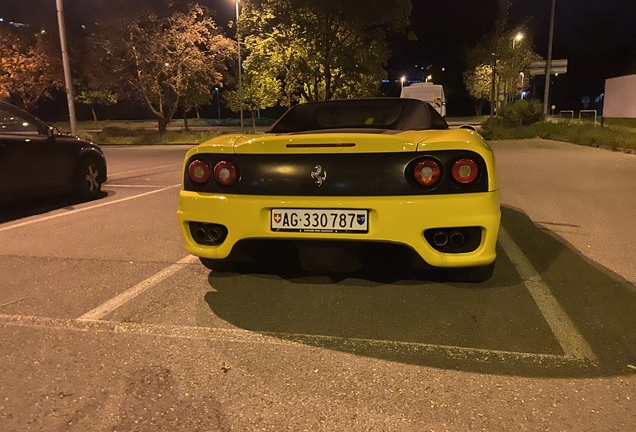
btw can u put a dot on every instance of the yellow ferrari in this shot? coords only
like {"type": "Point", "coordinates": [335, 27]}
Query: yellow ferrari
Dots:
{"type": "Point", "coordinates": [364, 172]}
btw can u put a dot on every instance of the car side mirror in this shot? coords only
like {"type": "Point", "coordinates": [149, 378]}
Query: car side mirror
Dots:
{"type": "Point", "coordinates": [52, 132]}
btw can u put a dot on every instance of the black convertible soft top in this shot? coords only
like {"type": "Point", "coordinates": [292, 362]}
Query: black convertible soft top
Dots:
{"type": "Point", "coordinates": [373, 114]}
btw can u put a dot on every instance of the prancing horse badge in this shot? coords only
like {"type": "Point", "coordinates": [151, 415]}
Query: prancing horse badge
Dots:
{"type": "Point", "coordinates": [319, 175]}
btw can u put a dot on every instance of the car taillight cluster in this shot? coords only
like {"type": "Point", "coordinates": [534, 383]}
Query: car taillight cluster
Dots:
{"type": "Point", "coordinates": [199, 171]}
{"type": "Point", "coordinates": [428, 171]}
{"type": "Point", "coordinates": [465, 171]}
{"type": "Point", "coordinates": [225, 172]}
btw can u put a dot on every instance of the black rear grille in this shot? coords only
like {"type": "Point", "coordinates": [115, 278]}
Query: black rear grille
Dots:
{"type": "Point", "coordinates": [344, 174]}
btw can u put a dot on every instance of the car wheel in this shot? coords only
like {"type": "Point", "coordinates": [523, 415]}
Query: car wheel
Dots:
{"type": "Point", "coordinates": [88, 183]}
{"type": "Point", "coordinates": [476, 274]}
{"type": "Point", "coordinates": [219, 265]}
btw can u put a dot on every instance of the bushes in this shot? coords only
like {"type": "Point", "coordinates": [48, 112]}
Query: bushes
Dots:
{"type": "Point", "coordinates": [117, 135]}
{"type": "Point", "coordinates": [523, 112]}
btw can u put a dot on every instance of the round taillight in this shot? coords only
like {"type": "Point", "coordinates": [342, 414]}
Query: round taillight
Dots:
{"type": "Point", "coordinates": [226, 173]}
{"type": "Point", "coordinates": [465, 171]}
{"type": "Point", "coordinates": [199, 171]}
{"type": "Point", "coordinates": [427, 172]}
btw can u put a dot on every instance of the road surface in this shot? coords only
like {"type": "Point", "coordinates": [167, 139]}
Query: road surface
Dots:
{"type": "Point", "coordinates": [107, 324]}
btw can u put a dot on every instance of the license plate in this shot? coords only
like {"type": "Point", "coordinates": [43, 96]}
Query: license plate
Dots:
{"type": "Point", "coordinates": [320, 220]}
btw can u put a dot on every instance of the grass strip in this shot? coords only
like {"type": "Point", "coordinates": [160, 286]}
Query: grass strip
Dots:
{"type": "Point", "coordinates": [615, 137]}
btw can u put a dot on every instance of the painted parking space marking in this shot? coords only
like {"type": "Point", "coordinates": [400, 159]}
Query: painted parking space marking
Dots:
{"type": "Point", "coordinates": [565, 331]}
{"type": "Point", "coordinates": [116, 302]}
{"type": "Point", "coordinates": [109, 185]}
{"type": "Point", "coordinates": [271, 338]}
{"type": "Point", "coordinates": [92, 207]}
{"type": "Point", "coordinates": [110, 176]}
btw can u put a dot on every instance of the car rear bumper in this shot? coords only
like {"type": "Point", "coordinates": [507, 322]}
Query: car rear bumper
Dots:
{"type": "Point", "coordinates": [400, 220]}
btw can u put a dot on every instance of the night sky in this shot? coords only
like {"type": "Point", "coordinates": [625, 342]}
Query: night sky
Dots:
{"type": "Point", "coordinates": [597, 37]}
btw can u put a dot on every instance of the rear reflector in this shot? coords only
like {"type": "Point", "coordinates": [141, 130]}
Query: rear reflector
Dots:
{"type": "Point", "coordinates": [465, 171]}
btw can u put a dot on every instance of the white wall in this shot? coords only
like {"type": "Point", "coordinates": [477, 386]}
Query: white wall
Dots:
{"type": "Point", "coordinates": [620, 97]}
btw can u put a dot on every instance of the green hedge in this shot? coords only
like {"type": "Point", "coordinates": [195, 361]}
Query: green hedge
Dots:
{"type": "Point", "coordinates": [523, 112]}
{"type": "Point", "coordinates": [583, 134]}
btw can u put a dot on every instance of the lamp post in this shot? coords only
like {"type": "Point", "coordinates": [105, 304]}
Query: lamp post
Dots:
{"type": "Point", "coordinates": [518, 37]}
{"type": "Point", "coordinates": [240, 66]}
{"type": "Point", "coordinates": [218, 102]}
{"type": "Point", "coordinates": [548, 68]}
{"type": "Point", "coordinates": [493, 84]}
{"type": "Point", "coordinates": [429, 78]}
{"type": "Point", "coordinates": [67, 67]}
{"type": "Point", "coordinates": [402, 82]}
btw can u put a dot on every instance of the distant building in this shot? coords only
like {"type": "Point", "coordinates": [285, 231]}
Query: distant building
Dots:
{"type": "Point", "coordinates": [620, 97]}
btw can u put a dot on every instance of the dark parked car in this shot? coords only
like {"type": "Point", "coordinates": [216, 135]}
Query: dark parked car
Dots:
{"type": "Point", "coordinates": [36, 160]}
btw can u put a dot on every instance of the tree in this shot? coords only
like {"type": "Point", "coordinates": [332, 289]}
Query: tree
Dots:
{"type": "Point", "coordinates": [30, 67]}
{"type": "Point", "coordinates": [260, 91]}
{"type": "Point", "coordinates": [86, 95]}
{"type": "Point", "coordinates": [166, 61]}
{"type": "Point", "coordinates": [478, 83]}
{"type": "Point", "coordinates": [512, 68]}
{"type": "Point", "coordinates": [321, 50]}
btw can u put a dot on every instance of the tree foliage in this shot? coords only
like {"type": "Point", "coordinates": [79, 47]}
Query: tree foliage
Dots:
{"type": "Point", "coordinates": [512, 67]}
{"type": "Point", "coordinates": [260, 91]}
{"type": "Point", "coordinates": [166, 61]}
{"type": "Point", "coordinates": [30, 67]}
{"type": "Point", "coordinates": [478, 81]}
{"type": "Point", "coordinates": [321, 50]}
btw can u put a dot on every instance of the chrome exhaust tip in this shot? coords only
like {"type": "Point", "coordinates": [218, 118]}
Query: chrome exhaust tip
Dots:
{"type": "Point", "coordinates": [208, 234]}
{"type": "Point", "coordinates": [200, 235]}
{"type": "Point", "coordinates": [440, 239]}
{"type": "Point", "coordinates": [456, 239]}
{"type": "Point", "coordinates": [213, 234]}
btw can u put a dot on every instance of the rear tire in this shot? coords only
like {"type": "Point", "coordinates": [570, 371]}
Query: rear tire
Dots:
{"type": "Point", "coordinates": [88, 179]}
{"type": "Point", "coordinates": [476, 274]}
{"type": "Point", "coordinates": [219, 265]}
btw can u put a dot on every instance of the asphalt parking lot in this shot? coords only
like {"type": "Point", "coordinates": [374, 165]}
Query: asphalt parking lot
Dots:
{"type": "Point", "coordinates": [106, 323]}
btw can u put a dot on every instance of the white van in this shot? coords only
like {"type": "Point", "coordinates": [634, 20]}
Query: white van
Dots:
{"type": "Point", "coordinates": [428, 92]}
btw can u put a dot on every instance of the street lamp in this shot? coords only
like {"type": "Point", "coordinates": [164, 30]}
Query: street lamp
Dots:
{"type": "Point", "coordinates": [218, 101]}
{"type": "Point", "coordinates": [67, 67]}
{"type": "Point", "coordinates": [238, 41]}
{"type": "Point", "coordinates": [429, 78]}
{"type": "Point", "coordinates": [517, 38]}
{"type": "Point", "coordinates": [402, 82]}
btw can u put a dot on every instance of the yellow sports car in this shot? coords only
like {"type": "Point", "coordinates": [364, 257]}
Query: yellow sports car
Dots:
{"type": "Point", "coordinates": [362, 172]}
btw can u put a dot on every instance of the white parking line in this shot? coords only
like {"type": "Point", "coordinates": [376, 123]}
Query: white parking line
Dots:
{"type": "Point", "coordinates": [107, 185]}
{"type": "Point", "coordinates": [478, 355]}
{"type": "Point", "coordinates": [565, 331]}
{"type": "Point", "coordinates": [116, 302]}
{"type": "Point", "coordinates": [110, 176]}
{"type": "Point", "coordinates": [70, 212]}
